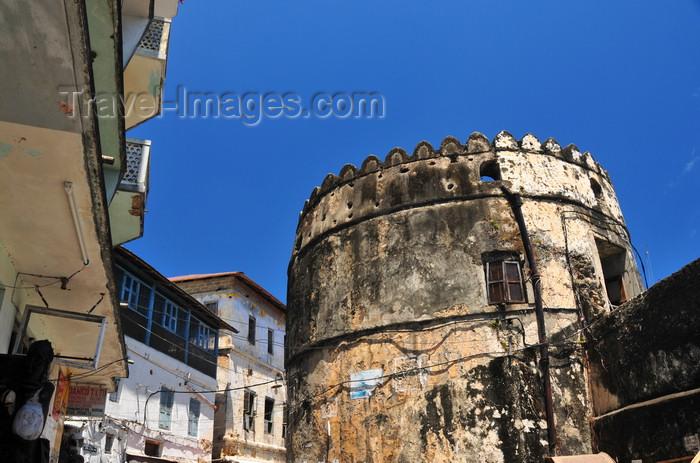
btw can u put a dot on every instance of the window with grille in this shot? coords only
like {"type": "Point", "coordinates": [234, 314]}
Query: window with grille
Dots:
{"type": "Point", "coordinates": [166, 407]}
{"type": "Point", "coordinates": [249, 398]}
{"type": "Point", "coordinates": [202, 335]}
{"type": "Point", "coordinates": [269, 415]}
{"type": "Point", "coordinates": [504, 282]}
{"type": "Point", "coordinates": [193, 417]}
{"type": "Point", "coordinates": [170, 316]}
{"type": "Point", "coordinates": [134, 293]}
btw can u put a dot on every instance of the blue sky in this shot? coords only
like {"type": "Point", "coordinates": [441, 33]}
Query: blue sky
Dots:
{"type": "Point", "coordinates": [619, 79]}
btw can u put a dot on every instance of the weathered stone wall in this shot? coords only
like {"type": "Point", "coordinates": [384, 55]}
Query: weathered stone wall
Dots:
{"type": "Point", "coordinates": [387, 274]}
{"type": "Point", "coordinates": [645, 371]}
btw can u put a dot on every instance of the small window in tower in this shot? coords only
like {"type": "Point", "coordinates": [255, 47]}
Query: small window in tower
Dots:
{"type": "Point", "coordinates": [613, 262]}
{"type": "Point", "coordinates": [490, 171]}
{"type": "Point", "coordinates": [504, 282]}
{"type": "Point", "coordinates": [597, 190]}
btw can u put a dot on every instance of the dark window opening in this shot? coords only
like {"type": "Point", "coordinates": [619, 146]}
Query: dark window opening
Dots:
{"type": "Point", "coordinates": [489, 171]}
{"type": "Point", "coordinates": [284, 422]}
{"type": "Point", "coordinates": [152, 449]}
{"type": "Point", "coordinates": [597, 190]}
{"type": "Point", "coordinates": [504, 282]}
{"type": "Point", "coordinates": [251, 330]}
{"type": "Point", "coordinates": [269, 415]}
{"type": "Point", "coordinates": [270, 340]}
{"type": "Point", "coordinates": [249, 399]}
{"type": "Point", "coordinates": [109, 441]}
{"type": "Point", "coordinates": [212, 307]}
{"type": "Point", "coordinates": [613, 261]}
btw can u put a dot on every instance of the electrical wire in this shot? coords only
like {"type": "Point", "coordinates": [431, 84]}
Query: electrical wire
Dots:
{"type": "Point", "coordinates": [145, 407]}
{"type": "Point", "coordinates": [62, 280]}
{"type": "Point", "coordinates": [627, 236]}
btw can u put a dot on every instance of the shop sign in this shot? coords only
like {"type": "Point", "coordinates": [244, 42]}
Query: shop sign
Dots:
{"type": "Point", "coordinates": [86, 401]}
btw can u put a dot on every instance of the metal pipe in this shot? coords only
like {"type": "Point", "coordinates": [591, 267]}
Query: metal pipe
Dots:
{"type": "Point", "coordinates": [70, 193]}
{"type": "Point", "coordinates": [516, 203]}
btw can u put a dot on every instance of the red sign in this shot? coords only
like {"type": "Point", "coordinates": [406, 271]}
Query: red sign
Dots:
{"type": "Point", "coordinates": [86, 401]}
{"type": "Point", "coordinates": [61, 397]}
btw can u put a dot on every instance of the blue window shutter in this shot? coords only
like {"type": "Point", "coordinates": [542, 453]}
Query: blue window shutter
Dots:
{"type": "Point", "coordinates": [166, 408]}
{"type": "Point", "coordinates": [193, 417]}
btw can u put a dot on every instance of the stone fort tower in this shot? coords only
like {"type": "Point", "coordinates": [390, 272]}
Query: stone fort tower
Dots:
{"type": "Point", "coordinates": [413, 330]}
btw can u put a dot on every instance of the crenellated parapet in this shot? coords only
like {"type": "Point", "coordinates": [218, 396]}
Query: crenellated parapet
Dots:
{"type": "Point", "coordinates": [455, 172]}
{"type": "Point", "coordinates": [411, 328]}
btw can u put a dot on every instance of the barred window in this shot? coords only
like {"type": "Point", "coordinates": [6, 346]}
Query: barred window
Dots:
{"type": "Point", "coordinates": [202, 336]}
{"type": "Point", "coordinates": [134, 293]}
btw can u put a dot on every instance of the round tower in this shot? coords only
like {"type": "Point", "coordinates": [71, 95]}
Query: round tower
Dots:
{"type": "Point", "coordinates": [412, 329]}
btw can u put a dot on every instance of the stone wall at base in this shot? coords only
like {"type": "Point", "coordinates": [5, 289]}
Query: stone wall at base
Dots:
{"type": "Point", "coordinates": [645, 372]}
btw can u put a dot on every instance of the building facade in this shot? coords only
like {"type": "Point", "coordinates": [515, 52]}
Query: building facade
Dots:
{"type": "Point", "coordinates": [72, 185]}
{"type": "Point", "coordinates": [439, 301]}
{"type": "Point", "coordinates": [165, 408]}
{"type": "Point", "coordinates": [250, 422]}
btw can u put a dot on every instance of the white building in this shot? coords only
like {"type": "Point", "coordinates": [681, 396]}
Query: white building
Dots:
{"type": "Point", "coordinates": [164, 410]}
{"type": "Point", "coordinates": [250, 421]}
{"type": "Point", "coordinates": [72, 185]}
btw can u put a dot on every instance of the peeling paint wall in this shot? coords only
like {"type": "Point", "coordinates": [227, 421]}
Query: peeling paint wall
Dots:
{"type": "Point", "coordinates": [388, 275]}
{"type": "Point", "coordinates": [242, 366]}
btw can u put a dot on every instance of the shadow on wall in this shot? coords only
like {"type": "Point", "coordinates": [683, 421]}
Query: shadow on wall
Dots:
{"type": "Point", "coordinates": [645, 373]}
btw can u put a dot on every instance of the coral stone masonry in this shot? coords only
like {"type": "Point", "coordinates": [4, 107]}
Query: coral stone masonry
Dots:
{"type": "Point", "coordinates": [412, 330]}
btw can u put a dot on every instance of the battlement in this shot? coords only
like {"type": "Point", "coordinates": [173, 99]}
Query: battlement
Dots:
{"type": "Point", "coordinates": [456, 172]}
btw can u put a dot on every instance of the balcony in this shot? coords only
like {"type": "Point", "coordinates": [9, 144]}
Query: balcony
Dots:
{"type": "Point", "coordinates": [145, 73]}
{"type": "Point", "coordinates": [128, 207]}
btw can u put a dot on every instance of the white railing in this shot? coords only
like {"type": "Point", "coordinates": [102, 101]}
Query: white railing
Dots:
{"type": "Point", "coordinates": [136, 165]}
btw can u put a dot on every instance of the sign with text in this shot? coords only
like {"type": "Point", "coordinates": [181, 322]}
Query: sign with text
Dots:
{"type": "Point", "coordinates": [86, 401]}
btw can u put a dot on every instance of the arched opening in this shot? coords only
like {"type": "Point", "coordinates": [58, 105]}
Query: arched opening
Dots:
{"type": "Point", "coordinates": [489, 171]}
{"type": "Point", "coordinates": [597, 190]}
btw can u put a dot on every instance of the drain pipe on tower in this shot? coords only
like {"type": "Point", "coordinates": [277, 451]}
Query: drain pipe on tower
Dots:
{"type": "Point", "coordinates": [516, 203]}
